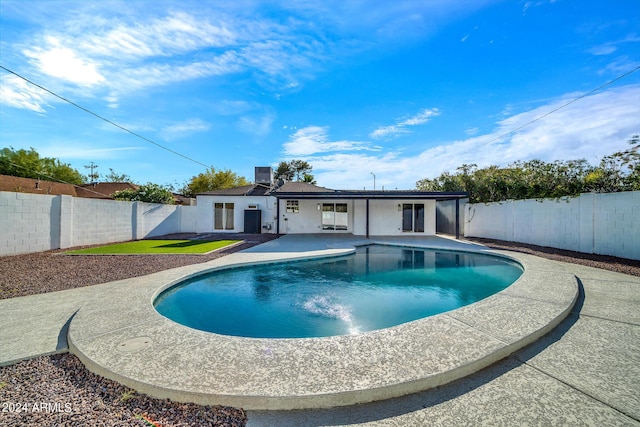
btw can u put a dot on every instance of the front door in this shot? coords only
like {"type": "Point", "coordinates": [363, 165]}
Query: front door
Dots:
{"type": "Point", "coordinates": [252, 221]}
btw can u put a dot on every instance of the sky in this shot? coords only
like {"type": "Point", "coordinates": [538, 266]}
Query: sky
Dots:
{"type": "Point", "coordinates": [367, 92]}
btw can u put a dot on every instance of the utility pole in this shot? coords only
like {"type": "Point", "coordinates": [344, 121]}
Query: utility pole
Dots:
{"type": "Point", "coordinates": [93, 176]}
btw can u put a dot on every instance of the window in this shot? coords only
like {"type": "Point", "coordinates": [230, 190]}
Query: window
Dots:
{"type": "Point", "coordinates": [413, 217]}
{"type": "Point", "coordinates": [292, 206]}
{"type": "Point", "coordinates": [223, 216]}
{"type": "Point", "coordinates": [217, 216]}
{"type": "Point", "coordinates": [334, 216]}
{"type": "Point", "coordinates": [229, 220]}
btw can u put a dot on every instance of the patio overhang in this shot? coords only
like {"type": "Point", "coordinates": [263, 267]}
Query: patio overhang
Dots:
{"type": "Point", "coordinates": [371, 195]}
{"type": "Point", "coordinates": [431, 195]}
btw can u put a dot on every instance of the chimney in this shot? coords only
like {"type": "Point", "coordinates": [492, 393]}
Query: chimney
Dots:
{"type": "Point", "coordinates": [264, 175]}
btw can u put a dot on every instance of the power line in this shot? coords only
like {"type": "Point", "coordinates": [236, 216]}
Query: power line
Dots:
{"type": "Point", "coordinates": [52, 178]}
{"type": "Point", "coordinates": [103, 118]}
{"type": "Point", "coordinates": [554, 110]}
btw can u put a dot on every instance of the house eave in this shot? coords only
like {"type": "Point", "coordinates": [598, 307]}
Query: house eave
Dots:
{"type": "Point", "coordinates": [429, 195]}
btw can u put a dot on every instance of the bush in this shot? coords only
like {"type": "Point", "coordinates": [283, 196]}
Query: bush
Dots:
{"type": "Point", "coordinates": [150, 193]}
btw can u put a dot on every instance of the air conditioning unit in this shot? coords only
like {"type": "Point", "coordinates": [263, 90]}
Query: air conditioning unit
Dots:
{"type": "Point", "coordinates": [253, 207]}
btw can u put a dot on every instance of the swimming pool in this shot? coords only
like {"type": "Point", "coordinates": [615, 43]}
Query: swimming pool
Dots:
{"type": "Point", "coordinates": [377, 287]}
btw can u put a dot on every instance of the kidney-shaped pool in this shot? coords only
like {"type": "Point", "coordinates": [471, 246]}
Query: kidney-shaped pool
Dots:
{"type": "Point", "coordinates": [377, 287]}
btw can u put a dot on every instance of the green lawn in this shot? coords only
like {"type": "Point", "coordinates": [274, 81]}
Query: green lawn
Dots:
{"type": "Point", "coordinates": [154, 247]}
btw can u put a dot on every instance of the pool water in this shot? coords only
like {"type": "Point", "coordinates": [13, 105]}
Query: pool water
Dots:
{"type": "Point", "coordinates": [377, 287]}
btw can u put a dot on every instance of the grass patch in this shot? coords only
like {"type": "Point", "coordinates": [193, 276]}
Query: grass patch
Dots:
{"type": "Point", "coordinates": [155, 247]}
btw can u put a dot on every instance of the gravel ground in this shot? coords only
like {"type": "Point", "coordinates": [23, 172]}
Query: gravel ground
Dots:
{"type": "Point", "coordinates": [54, 271]}
{"type": "Point", "coordinates": [605, 262]}
{"type": "Point", "coordinates": [58, 391]}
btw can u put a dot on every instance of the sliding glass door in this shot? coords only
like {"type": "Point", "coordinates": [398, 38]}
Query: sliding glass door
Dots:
{"type": "Point", "coordinates": [335, 216]}
{"type": "Point", "coordinates": [413, 217]}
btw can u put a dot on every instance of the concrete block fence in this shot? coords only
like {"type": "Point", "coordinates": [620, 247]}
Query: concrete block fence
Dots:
{"type": "Point", "coordinates": [34, 222]}
{"type": "Point", "coordinates": [605, 224]}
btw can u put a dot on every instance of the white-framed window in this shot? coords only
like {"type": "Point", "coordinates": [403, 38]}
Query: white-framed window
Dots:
{"type": "Point", "coordinates": [223, 216]}
{"type": "Point", "coordinates": [293, 206]}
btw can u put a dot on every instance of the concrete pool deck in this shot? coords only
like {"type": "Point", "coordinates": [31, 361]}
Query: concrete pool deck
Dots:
{"type": "Point", "coordinates": [585, 371]}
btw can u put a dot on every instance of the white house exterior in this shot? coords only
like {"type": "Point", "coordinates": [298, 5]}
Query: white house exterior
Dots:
{"type": "Point", "coordinates": [301, 208]}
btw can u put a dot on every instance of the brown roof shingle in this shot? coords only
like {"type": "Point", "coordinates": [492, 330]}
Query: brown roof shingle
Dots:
{"type": "Point", "coordinates": [103, 190]}
{"type": "Point", "coordinates": [36, 186]}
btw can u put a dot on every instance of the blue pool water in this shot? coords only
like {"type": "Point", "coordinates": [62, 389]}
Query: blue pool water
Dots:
{"type": "Point", "coordinates": [377, 287]}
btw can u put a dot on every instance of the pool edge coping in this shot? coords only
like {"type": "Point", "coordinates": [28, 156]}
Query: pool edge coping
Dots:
{"type": "Point", "coordinates": [87, 349]}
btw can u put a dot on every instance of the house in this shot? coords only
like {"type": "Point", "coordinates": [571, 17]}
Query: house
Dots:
{"type": "Point", "coordinates": [103, 190]}
{"type": "Point", "coordinates": [301, 208]}
{"type": "Point", "coordinates": [96, 190]}
{"type": "Point", "coordinates": [18, 184]}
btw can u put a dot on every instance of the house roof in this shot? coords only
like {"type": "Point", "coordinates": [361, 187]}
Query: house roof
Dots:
{"type": "Point", "coordinates": [265, 190]}
{"type": "Point", "coordinates": [235, 191]}
{"type": "Point", "coordinates": [303, 190]}
{"type": "Point", "coordinates": [103, 190]}
{"type": "Point", "coordinates": [368, 194]}
{"type": "Point", "coordinates": [301, 187]}
{"type": "Point", "coordinates": [36, 186]}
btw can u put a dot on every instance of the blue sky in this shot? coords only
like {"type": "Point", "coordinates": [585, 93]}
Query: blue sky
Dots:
{"type": "Point", "coordinates": [404, 90]}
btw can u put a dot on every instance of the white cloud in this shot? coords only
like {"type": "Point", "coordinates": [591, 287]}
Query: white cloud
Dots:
{"type": "Point", "coordinates": [17, 93]}
{"type": "Point", "coordinates": [401, 125]}
{"type": "Point", "coordinates": [178, 32]}
{"type": "Point", "coordinates": [124, 56]}
{"type": "Point", "coordinates": [314, 139]}
{"type": "Point", "coordinates": [256, 125]}
{"type": "Point", "coordinates": [598, 124]}
{"type": "Point", "coordinates": [69, 151]}
{"type": "Point", "coordinates": [185, 128]}
{"type": "Point", "coordinates": [61, 62]}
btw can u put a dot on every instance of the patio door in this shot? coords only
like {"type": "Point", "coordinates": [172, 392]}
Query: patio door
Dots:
{"type": "Point", "coordinates": [413, 217]}
{"type": "Point", "coordinates": [335, 217]}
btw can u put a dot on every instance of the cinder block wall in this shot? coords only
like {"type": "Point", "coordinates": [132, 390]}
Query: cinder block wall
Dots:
{"type": "Point", "coordinates": [606, 224]}
{"type": "Point", "coordinates": [35, 222]}
{"type": "Point", "coordinates": [159, 220]}
{"type": "Point", "coordinates": [96, 221]}
{"type": "Point", "coordinates": [28, 222]}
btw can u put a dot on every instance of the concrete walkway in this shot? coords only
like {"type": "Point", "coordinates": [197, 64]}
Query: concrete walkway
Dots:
{"type": "Point", "coordinates": [585, 372]}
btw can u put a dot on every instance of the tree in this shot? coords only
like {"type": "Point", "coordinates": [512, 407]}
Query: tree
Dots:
{"type": "Point", "coordinates": [213, 180]}
{"type": "Point", "coordinates": [116, 177]}
{"type": "Point", "coordinates": [150, 193]}
{"type": "Point", "coordinates": [536, 179]}
{"type": "Point", "coordinates": [29, 164]}
{"type": "Point", "coordinates": [618, 171]}
{"type": "Point", "coordinates": [298, 169]}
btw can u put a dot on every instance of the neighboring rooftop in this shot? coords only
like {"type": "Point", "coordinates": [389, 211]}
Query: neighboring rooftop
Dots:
{"type": "Point", "coordinates": [98, 190]}
{"type": "Point", "coordinates": [103, 190]}
{"type": "Point", "coordinates": [36, 186]}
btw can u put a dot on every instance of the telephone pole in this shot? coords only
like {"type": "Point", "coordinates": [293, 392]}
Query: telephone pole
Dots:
{"type": "Point", "coordinates": [93, 176]}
